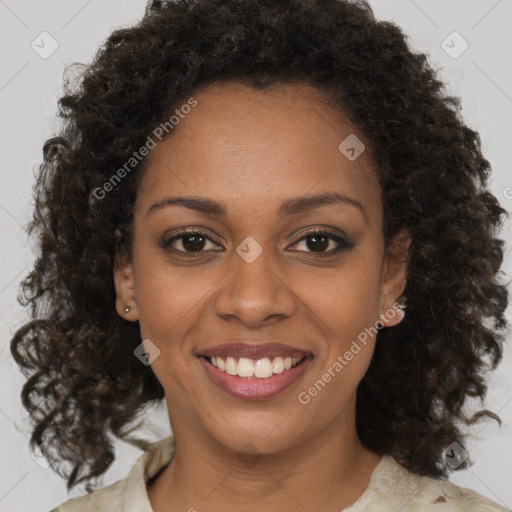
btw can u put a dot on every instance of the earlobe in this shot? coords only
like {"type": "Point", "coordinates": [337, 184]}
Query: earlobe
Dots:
{"type": "Point", "coordinates": [126, 305]}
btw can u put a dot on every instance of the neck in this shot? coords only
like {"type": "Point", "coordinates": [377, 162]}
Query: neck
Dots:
{"type": "Point", "coordinates": [328, 471]}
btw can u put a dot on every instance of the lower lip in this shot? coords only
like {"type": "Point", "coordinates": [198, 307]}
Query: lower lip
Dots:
{"type": "Point", "coordinates": [255, 388]}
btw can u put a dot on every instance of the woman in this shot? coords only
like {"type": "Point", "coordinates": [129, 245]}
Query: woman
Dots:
{"type": "Point", "coordinates": [245, 196]}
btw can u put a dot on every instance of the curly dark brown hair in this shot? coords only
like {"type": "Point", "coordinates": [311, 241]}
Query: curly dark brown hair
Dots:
{"type": "Point", "coordinates": [84, 383]}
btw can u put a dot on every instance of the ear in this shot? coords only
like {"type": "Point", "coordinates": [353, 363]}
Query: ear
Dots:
{"type": "Point", "coordinates": [125, 288]}
{"type": "Point", "coordinates": [394, 279]}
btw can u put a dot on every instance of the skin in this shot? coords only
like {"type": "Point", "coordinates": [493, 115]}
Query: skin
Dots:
{"type": "Point", "coordinates": [251, 150]}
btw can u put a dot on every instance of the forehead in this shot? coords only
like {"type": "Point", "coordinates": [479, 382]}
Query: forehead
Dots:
{"type": "Point", "coordinates": [247, 147]}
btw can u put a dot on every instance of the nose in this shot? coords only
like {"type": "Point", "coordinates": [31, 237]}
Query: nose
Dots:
{"type": "Point", "coordinates": [254, 293]}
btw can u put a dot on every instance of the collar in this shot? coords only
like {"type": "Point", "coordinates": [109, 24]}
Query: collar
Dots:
{"type": "Point", "coordinates": [147, 465]}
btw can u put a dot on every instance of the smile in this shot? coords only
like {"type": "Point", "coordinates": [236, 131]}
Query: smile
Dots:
{"type": "Point", "coordinates": [254, 378]}
{"type": "Point", "coordinates": [260, 368]}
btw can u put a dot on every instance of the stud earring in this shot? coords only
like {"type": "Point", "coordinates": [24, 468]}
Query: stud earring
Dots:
{"type": "Point", "coordinates": [402, 303]}
{"type": "Point", "coordinates": [127, 309]}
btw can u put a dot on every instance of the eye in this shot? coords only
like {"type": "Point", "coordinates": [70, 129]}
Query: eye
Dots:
{"type": "Point", "coordinates": [317, 241]}
{"type": "Point", "coordinates": [188, 242]}
{"type": "Point", "coordinates": [193, 242]}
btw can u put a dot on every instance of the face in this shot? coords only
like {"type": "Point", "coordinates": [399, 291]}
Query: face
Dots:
{"type": "Point", "coordinates": [256, 272]}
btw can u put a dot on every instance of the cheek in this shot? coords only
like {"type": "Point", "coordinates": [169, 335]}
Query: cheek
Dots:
{"type": "Point", "coordinates": [348, 301]}
{"type": "Point", "coordinates": [167, 304]}
{"type": "Point", "coordinates": [345, 309]}
{"type": "Point", "coordinates": [165, 296]}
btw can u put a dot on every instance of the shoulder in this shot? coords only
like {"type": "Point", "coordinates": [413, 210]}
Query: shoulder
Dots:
{"type": "Point", "coordinates": [396, 488]}
{"type": "Point", "coordinates": [108, 499]}
{"type": "Point", "coordinates": [128, 494]}
{"type": "Point", "coordinates": [444, 496]}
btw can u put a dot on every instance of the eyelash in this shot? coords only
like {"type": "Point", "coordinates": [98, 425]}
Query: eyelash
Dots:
{"type": "Point", "coordinates": [344, 243]}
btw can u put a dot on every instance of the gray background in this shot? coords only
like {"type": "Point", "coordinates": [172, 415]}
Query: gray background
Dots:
{"type": "Point", "coordinates": [29, 88]}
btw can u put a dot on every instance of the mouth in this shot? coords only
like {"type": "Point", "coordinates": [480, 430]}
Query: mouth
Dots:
{"type": "Point", "coordinates": [254, 378]}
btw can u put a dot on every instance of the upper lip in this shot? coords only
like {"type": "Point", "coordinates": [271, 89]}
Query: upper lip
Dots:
{"type": "Point", "coordinates": [253, 351]}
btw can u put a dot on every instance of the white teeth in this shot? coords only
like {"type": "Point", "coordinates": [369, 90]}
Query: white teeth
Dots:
{"type": "Point", "coordinates": [231, 366]}
{"type": "Point", "coordinates": [278, 365]}
{"type": "Point", "coordinates": [261, 368]}
{"type": "Point", "coordinates": [245, 367]}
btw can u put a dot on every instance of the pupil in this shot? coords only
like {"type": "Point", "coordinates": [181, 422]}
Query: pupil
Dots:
{"type": "Point", "coordinates": [323, 245]}
{"type": "Point", "coordinates": [196, 242]}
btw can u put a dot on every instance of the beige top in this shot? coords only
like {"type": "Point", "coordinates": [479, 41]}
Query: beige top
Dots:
{"type": "Point", "coordinates": [391, 488]}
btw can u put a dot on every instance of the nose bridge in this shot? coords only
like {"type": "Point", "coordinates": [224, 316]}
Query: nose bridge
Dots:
{"type": "Point", "coordinates": [253, 290]}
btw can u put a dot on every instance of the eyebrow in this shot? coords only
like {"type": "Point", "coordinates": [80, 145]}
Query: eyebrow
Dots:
{"type": "Point", "coordinates": [291, 206]}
